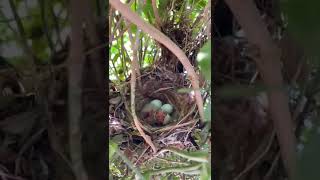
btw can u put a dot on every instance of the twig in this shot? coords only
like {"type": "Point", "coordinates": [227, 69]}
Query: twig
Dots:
{"type": "Point", "coordinates": [184, 169]}
{"type": "Point", "coordinates": [129, 163]}
{"type": "Point", "coordinates": [118, 24]}
{"type": "Point", "coordinates": [160, 37]}
{"type": "Point", "coordinates": [123, 55]}
{"type": "Point", "coordinates": [297, 111]}
{"type": "Point", "coordinates": [273, 165]}
{"type": "Point", "coordinates": [135, 43]}
{"type": "Point", "coordinates": [169, 128]}
{"type": "Point", "coordinates": [202, 158]}
{"type": "Point", "coordinates": [162, 89]}
{"type": "Point", "coordinates": [6, 176]}
{"type": "Point", "coordinates": [156, 13]}
{"type": "Point", "coordinates": [45, 26]}
{"type": "Point", "coordinates": [172, 162]}
{"type": "Point", "coordinates": [144, 151]}
{"type": "Point", "coordinates": [133, 109]}
{"type": "Point", "coordinates": [22, 39]}
{"type": "Point", "coordinates": [185, 117]}
{"type": "Point", "coordinates": [27, 145]}
{"type": "Point", "coordinates": [56, 24]}
{"type": "Point", "coordinates": [251, 165]}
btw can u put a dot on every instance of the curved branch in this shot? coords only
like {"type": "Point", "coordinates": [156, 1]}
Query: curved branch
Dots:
{"type": "Point", "coordinates": [160, 37]}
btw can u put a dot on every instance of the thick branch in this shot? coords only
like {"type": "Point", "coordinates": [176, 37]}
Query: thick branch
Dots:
{"type": "Point", "coordinates": [269, 64]}
{"type": "Point", "coordinates": [76, 62]}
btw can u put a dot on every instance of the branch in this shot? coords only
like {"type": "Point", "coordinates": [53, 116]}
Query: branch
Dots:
{"type": "Point", "coordinates": [46, 27]}
{"type": "Point", "coordinates": [269, 64]}
{"type": "Point", "coordinates": [22, 39]}
{"type": "Point", "coordinates": [135, 43]}
{"type": "Point", "coordinates": [160, 37]}
{"type": "Point", "coordinates": [76, 62]}
{"type": "Point", "coordinates": [134, 70]}
{"type": "Point", "coordinates": [156, 14]}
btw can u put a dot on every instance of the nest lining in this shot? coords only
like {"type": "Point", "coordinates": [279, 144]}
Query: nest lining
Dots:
{"type": "Point", "coordinates": [164, 85]}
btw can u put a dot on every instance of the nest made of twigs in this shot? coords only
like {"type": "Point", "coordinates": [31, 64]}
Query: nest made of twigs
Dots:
{"type": "Point", "coordinates": [154, 83]}
{"type": "Point", "coordinates": [157, 83]}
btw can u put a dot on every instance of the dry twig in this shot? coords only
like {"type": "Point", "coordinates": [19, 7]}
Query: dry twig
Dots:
{"type": "Point", "coordinates": [134, 70]}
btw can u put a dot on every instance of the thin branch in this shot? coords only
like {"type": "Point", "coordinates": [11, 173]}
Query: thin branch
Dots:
{"type": "Point", "coordinates": [45, 26]}
{"type": "Point", "coordinates": [135, 43]}
{"type": "Point", "coordinates": [133, 88]}
{"type": "Point", "coordinates": [115, 69]}
{"type": "Point", "coordinates": [56, 24]}
{"type": "Point", "coordinates": [123, 54]}
{"type": "Point", "coordinates": [156, 14]}
{"type": "Point", "coordinates": [129, 163]}
{"type": "Point", "coordinates": [22, 36]}
{"type": "Point", "coordinates": [251, 165]}
{"type": "Point", "coordinates": [133, 111]}
{"type": "Point", "coordinates": [118, 24]}
{"type": "Point", "coordinates": [145, 51]}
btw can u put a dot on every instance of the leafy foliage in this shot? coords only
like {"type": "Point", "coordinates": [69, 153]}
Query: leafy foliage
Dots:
{"type": "Point", "coordinates": [302, 22]}
{"type": "Point", "coordinates": [204, 60]}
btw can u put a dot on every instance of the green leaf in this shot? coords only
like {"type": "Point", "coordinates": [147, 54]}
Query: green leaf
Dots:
{"type": "Point", "coordinates": [148, 11]}
{"type": "Point", "coordinates": [207, 112]}
{"type": "Point", "coordinates": [112, 148]}
{"type": "Point", "coordinates": [163, 8]}
{"type": "Point", "coordinates": [302, 17]}
{"type": "Point", "coordinates": [184, 90]}
{"type": "Point", "coordinates": [204, 60]}
{"type": "Point", "coordinates": [233, 91]}
{"type": "Point", "coordinates": [198, 156]}
{"type": "Point", "coordinates": [133, 30]}
{"type": "Point", "coordinates": [309, 159]}
{"type": "Point", "coordinates": [205, 172]}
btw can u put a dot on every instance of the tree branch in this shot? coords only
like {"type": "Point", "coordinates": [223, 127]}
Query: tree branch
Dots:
{"type": "Point", "coordinates": [76, 62]}
{"type": "Point", "coordinates": [156, 14]}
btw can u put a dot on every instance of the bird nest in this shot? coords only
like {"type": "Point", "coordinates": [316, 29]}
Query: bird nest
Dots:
{"type": "Point", "coordinates": [165, 86]}
{"type": "Point", "coordinates": [155, 84]}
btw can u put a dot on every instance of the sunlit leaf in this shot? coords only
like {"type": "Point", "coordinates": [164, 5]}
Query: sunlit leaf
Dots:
{"type": "Point", "coordinates": [205, 172]}
{"type": "Point", "coordinates": [148, 11]}
{"type": "Point", "coordinates": [204, 60]}
{"type": "Point", "coordinates": [207, 112]}
{"type": "Point", "coordinates": [112, 148]}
